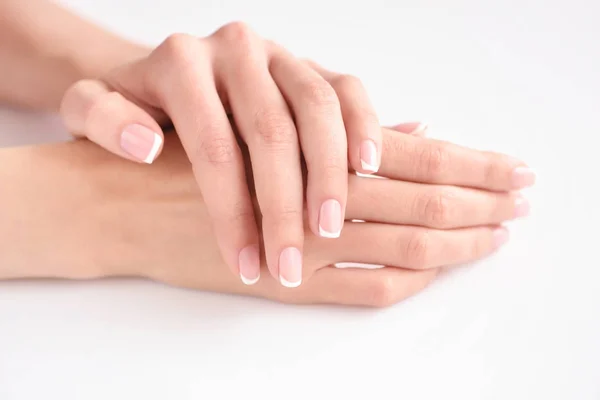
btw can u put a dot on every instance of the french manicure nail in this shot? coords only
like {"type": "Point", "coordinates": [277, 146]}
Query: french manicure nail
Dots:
{"type": "Point", "coordinates": [420, 130]}
{"type": "Point", "coordinates": [500, 236]}
{"type": "Point", "coordinates": [412, 128]}
{"type": "Point", "coordinates": [141, 142]}
{"type": "Point", "coordinates": [249, 264]}
{"type": "Point", "coordinates": [330, 219]}
{"type": "Point", "coordinates": [522, 207]}
{"type": "Point", "coordinates": [290, 267]}
{"type": "Point", "coordinates": [523, 177]}
{"type": "Point", "coordinates": [368, 156]}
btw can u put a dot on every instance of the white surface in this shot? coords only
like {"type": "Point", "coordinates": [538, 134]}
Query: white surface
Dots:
{"type": "Point", "coordinates": [515, 76]}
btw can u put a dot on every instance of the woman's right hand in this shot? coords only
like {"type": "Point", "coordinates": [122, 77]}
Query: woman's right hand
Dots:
{"type": "Point", "coordinates": [443, 205]}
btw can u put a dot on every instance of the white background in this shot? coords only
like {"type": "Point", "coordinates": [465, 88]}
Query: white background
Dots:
{"type": "Point", "coordinates": [521, 77]}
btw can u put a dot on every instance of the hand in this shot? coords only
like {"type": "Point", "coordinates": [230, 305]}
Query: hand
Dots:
{"type": "Point", "coordinates": [282, 106]}
{"type": "Point", "coordinates": [152, 222]}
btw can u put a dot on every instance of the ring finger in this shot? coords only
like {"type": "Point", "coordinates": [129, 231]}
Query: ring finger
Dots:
{"type": "Point", "coordinates": [322, 135]}
{"type": "Point", "coordinates": [434, 206]}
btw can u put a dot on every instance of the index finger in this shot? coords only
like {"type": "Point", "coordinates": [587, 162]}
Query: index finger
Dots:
{"type": "Point", "coordinates": [417, 159]}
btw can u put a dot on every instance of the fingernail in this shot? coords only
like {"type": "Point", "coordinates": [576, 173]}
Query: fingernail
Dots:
{"type": "Point", "coordinates": [500, 236]}
{"type": "Point", "coordinates": [523, 177]}
{"type": "Point", "coordinates": [249, 263]}
{"type": "Point", "coordinates": [290, 267]}
{"type": "Point", "coordinates": [330, 219]}
{"type": "Point", "coordinates": [141, 142]}
{"type": "Point", "coordinates": [412, 128]}
{"type": "Point", "coordinates": [420, 130]}
{"type": "Point", "coordinates": [522, 207]}
{"type": "Point", "coordinates": [368, 156]}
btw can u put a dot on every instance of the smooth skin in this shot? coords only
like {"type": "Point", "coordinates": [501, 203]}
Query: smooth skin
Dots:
{"type": "Point", "coordinates": [119, 95]}
{"type": "Point", "coordinates": [286, 112]}
{"type": "Point", "coordinates": [118, 218]}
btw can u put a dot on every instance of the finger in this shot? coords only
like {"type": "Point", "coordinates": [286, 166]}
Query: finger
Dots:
{"type": "Point", "coordinates": [417, 159]}
{"type": "Point", "coordinates": [187, 91]}
{"type": "Point", "coordinates": [434, 206]}
{"type": "Point", "coordinates": [415, 247]}
{"type": "Point", "coordinates": [359, 287]}
{"type": "Point", "coordinates": [360, 119]}
{"type": "Point", "coordinates": [318, 117]}
{"type": "Point", "coordinates": [264, 122]}
{"type": "Point", "coordinates": [411, 128]}
{"type": "Point", "coordinates": [91, 110]}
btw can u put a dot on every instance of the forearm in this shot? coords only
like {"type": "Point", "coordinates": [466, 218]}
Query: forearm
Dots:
{"type": "Point", "coordinates": [51, 214]}
{"type": "Point", "coordinates": [45, 48]}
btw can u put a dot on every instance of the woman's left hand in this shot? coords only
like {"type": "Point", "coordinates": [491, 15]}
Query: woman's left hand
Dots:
{"type": "Point", "coordinates": [287, 111]}
{"type": "Point", "coordinates": [118, 218]}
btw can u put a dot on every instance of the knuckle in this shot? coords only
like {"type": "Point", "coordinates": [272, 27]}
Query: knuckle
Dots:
{"type": "Point", "coordinates": [434, 160]}
{"type": "Point", "coordinates": [382, 293]}
{"type": "Point", "coordinates": [334, 163]}
{"type": "Point", "coordinates": [436, 208]}
{"type": "Point", "coordinates": [395, 147]}
{"type": "Point", "coordinates": [335, 168]}
{"type": "Point", "coordinates": [174, 63]}
{"type": "Point", "coordinates": [237, 33]}
{"type": "Point", "coordinates": [106, 105]}
{"type": "Point", "coordinates": [492, 167]}
{"type": "Point", "coordinates": [242, 213]}
{"type": "Point", "coordinates": [274, 128]}
{"type": "Point", "coordinates": [418, 250]}
{"type": "Point", "coordinates": [216, 151]}
{"type": "Point", "coordinates": [333, 174]}
{"type": "Point", "coordinates": [77, 88]}
{"type": "Point", "coordinates": [179, 48]}
{"type": "Point", "coordinates": [282, 215]}
{"type": "Point", "coordinates": [348, 82]}
{"type": "Point", "coordinates": [351, 87]}
{"type": "Point", "coordinates": [320, 94]}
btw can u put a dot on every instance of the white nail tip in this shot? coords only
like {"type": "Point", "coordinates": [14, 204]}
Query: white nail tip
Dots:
{"type": "Point", "coordinates": [249, 282]}
{"type": "Point", "coordinates": [289, 284]}
{"type": "Point", "coordinates": [342, 265]}
{"type": "Point", "coordinates": [154, 150]}
{"type": "Point", "coordinates": [327, 234]}
{"type": "Point", "coordinates": [368, 167]}
{"type": "Point", "coordinates": [422, 128]}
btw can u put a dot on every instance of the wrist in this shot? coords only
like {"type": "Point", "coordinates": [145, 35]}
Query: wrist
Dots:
{"type": "Point", "coordinates": [98, 56]}
{"type": "Point", "coordinates": [45, 49]}
{"type": "Point", "coordinates": [54, 216]}
{"type": "Point", "coordinates": [91, 58]}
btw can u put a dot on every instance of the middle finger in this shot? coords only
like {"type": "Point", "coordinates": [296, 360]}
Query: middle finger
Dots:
{"type": "Point", "coordinates": [265, 124]}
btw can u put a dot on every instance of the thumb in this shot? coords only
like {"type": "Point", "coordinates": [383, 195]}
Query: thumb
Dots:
{"type": "Point", "coordinates": [89, 109]}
